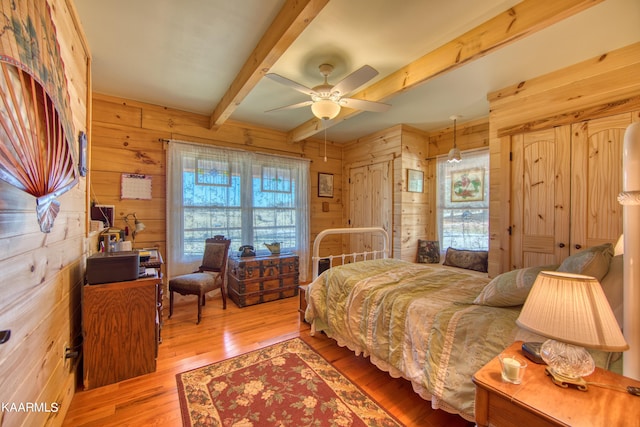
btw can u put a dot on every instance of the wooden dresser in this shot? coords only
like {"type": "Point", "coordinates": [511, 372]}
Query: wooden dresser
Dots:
{"type": "Point", "coordinates": [539, 402]}
{"type": "Point", "coordinates": [121, 330]}
{"type": "Point", "coordinates": [258, 279]}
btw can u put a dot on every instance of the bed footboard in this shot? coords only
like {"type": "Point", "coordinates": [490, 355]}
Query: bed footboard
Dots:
{"type": "Point", "coordinates": [352, 257]}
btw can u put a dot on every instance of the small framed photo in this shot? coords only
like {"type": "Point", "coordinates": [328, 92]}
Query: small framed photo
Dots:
{"type": "Point", "coordinates": [325, 184]}
{"type": "Point", "coordinates": [415, 181]}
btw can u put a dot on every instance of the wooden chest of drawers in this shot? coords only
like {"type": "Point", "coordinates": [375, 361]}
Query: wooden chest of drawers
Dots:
{"type": "Point", "coordinates": [258, 279]}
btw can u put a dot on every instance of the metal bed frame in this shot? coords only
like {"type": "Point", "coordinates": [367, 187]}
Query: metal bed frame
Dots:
{"type": "Point", "coordinates": [352, 257]}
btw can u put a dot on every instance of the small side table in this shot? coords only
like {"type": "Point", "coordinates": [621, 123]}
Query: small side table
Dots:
{"type": "Point", "coordinates": [302, 307]}
{"type": "Point", "coordinates": [539, 402]}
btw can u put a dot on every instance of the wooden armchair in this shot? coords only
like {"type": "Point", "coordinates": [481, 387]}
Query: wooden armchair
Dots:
{"type": "Point", "coordinates": [209, 276]}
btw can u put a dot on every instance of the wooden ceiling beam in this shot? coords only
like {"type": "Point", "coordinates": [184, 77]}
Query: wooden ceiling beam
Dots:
{"type": "Point", "coordinates": [292, 19]}
{"type": "Point", "coordinates": [521, 20]}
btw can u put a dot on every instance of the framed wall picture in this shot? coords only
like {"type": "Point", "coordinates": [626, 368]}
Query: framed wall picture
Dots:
{"type": "Point", "coordinates": [467, 185]}
{"type": "Point", "coordinates": [415, 181]}
{"type": "Point", "coordinates": [325, 184]}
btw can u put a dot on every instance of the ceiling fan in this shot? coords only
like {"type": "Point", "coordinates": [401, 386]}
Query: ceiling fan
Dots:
{"type": "Point", "coordinates": [326, 99]}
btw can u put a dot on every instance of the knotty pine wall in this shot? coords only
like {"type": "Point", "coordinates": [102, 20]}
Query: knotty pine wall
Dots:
{"type": "Point", "coordinates": [377, 147]}
{"type": "Point", "coordinates": [127, 136]}
{"type": "Point", "coordinates": [42, 273]}
{"type": "Point", "coordinates": [599, 87]}
{"type": "Point", "coordinates": [414, 215]}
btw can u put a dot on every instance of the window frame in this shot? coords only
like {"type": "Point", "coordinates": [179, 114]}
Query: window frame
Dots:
{"type": "Point", "coordinates": [472, 160]}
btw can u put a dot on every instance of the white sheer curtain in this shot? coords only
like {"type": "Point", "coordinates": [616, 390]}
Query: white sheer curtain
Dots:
{"type": "Point", "coordinates": [249, 197]}
{"type": "Point", "coordinates": [463, 201]}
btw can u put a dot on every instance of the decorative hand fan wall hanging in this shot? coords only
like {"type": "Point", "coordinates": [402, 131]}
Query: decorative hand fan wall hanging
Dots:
{"type": "Point", "coordinates": [37, 153]}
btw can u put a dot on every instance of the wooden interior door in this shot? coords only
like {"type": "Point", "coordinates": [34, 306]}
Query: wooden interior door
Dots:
{"type": "Point", "coordinates": [370, 203]}
{"type": "Point", "coordinates": [597, 180]}
{"type": "Point", "coordinates": [540, 200]}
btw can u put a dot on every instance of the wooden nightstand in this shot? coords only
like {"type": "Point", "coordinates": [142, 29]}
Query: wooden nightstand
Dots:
{"type": "Point", "coordinates": [539, 402]}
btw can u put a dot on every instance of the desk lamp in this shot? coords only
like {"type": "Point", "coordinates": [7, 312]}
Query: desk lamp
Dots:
{"type": "Point", "coordinates": [137, 225]}
{"type": "Point", "coordinates": [573, 312]}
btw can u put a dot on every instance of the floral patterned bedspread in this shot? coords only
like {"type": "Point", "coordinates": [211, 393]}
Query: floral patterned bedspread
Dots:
{"type": "Point", "coordinates": [414, 321]}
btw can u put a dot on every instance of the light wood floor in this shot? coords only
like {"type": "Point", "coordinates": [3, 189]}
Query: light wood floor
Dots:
{"type": "Point", "coordinates": [153, 399]}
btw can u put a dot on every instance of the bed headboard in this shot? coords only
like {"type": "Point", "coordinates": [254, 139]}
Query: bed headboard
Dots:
{"type": "Point", "coordinates": [352, 257]}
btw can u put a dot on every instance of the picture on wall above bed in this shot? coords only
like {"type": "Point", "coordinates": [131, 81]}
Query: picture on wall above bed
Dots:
{"type": "Point", "coordinates": [325, 184]}
{"type": "Point", "coordinates": [467, 185]}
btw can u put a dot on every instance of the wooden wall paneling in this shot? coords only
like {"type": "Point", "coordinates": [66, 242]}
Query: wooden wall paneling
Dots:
{"type": "Point", "coordinates": [500, 204]}
{"type": "Point", "coordinates": [39, 296]}
{"type": "Point", "coordinates": [47, 321]}
{"type": "Point", "coordinates": [396, 230]}
{"type": "Point", "coordinates": [505, 101]}
{"type": "Point", "coordinates": [582, 100]}
{"type": "Point", "coordinates": [591, 89]}
{"type": "Point", "coordinates": [105, 111]}
{"type": "Point", "coordinates": [240, 134]}
{"type": "Point", "coordinates": [135, 143]}
{"type": "Point", "coordinates": [374, 146]}
{"type": "Point", "coordinates": [105, 185]}
{"type": "Point", "coordinates": [470, 135]}
{"type": "Point", "coordinates": [415, 147]}
{"type": "Point", "coordinates": [430, 187]}
{"type": "Point", "coordinates": [75, 51]}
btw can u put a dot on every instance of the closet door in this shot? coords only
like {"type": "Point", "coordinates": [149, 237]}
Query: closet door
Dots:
{"type": "Point", "coordinates": [540, 200]}
{"type": "Point", "coordinates": [597, 181]}
{"type": "Point", "coordinates": [370, 202]}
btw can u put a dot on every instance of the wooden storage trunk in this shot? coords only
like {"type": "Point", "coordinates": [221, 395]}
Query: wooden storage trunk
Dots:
{"type": "Point", "coordinates": [258, 279]}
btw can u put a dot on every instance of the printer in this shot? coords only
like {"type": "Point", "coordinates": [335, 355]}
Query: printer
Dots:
{"type": "Point", "coordinates": [107, 267]}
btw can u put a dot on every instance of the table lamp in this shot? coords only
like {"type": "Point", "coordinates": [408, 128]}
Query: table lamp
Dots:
{"type": "Point", "coordinates": [573, 312]}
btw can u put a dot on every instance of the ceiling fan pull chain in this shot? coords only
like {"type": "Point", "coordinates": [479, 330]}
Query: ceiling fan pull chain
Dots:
{"type": "Point", "coordinates": [325, 141]}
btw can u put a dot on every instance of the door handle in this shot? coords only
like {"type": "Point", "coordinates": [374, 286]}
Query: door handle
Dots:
{"type": "Point", "coordinates": [561, 245]}
{"type": "Point", "coordinates": [578, 246]}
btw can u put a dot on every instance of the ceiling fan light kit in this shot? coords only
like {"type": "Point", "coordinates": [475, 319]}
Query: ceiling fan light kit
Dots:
{"type": "Point", "coordinates": [325, 109]}
{"type": "Point", "coordinates": [326, 99]}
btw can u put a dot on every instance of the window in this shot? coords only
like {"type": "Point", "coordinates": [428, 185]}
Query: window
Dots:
{"type": "Point", "coordinates": [463, 201]}
{"type": "Point", "coordinates": [247, 197]}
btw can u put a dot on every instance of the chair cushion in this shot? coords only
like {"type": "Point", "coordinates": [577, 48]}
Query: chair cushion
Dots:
{"type": "Point", "coordinates": [214, 255]}
{"type": "Point", "coordinates": [193, 283]}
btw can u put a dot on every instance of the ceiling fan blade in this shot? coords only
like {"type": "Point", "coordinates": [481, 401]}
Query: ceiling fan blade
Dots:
{"type": "Point", "coordinates": [290, 83]}
{"type": "Point", "coordinates": [355, 80]}
{"type": "Point", "coordinates": [361, 104]}
{"type": "Point", "coordinates": [292, 106]}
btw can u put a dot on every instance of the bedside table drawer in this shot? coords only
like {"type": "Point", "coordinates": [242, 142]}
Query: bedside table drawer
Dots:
{"type": "Point", "coordinates": [503, 412]}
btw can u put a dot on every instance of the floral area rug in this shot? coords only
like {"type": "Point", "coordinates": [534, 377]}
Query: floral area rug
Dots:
{"type": "Point", "coordinates": [286, 384]}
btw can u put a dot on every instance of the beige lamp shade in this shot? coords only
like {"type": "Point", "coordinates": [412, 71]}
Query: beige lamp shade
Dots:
{"type": "Point", "coordinates": [571, 308]}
